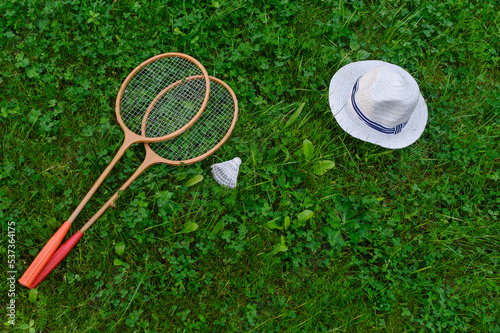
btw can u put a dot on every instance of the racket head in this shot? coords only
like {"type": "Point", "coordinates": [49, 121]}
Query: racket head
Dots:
{"type": "Point", "coordinates": [161, 81]}
{"type": "Point", "coordinates": [207, 134]}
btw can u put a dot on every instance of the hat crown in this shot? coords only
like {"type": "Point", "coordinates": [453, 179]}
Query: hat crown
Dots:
{"type": "Point", "coordinates": [388, 95]}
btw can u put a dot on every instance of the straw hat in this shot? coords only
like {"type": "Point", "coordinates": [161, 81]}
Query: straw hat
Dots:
{"type": "Point", "coordinates": [378, 102]}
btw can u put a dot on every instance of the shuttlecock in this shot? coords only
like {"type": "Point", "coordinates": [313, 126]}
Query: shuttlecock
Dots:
{"type": "Point", "coordinates": [226, 173]}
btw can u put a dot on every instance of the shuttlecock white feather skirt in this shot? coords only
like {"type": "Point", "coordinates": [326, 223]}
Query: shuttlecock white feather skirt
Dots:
{"type": "Point", "coordinates": [226, 173]}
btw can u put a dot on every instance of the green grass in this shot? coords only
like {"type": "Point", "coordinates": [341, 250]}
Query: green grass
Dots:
{"type": "Point", "coordinates": [385, 241]}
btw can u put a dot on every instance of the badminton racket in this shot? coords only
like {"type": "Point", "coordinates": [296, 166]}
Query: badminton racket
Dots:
{"type": "Point", "coordinates": [159, 88]}
{"type": "Point", "coordinates": [200, 141]}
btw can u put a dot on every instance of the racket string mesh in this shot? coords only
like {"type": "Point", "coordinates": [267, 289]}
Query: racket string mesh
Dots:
{"type": "Point", "coordinates": [206, 133]}
{"type": "Point", "coordinates": [174, 108]}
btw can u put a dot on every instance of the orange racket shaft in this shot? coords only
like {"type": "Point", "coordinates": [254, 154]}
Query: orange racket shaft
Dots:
{"type": "Point", "coordinates": [48, 250]}
{"type": "Point", "coordinates": [125, 111]}
{"type": "Point", "coordinates": [64, 249]}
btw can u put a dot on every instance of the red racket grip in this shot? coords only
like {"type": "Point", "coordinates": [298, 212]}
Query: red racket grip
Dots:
{"type": "Point", "coordinates": [57, 257]}
{"type": "Point", "coordinates": [43, 256]}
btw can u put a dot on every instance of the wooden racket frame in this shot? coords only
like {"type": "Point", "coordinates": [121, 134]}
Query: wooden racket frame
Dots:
{"type": "Point", "coordinates": [48, 250]}
{"type": "Point", "coordinates": [131, 137]}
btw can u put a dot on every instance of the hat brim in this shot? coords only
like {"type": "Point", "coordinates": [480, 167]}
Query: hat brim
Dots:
{"type": "Point", "coordinates": [340, 90]}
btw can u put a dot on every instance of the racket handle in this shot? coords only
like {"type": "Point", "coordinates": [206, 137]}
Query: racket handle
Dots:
{"type": "Point", "coordinates": [57, 257]}
{"type": "Point", "coordinates": [43, 256]}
